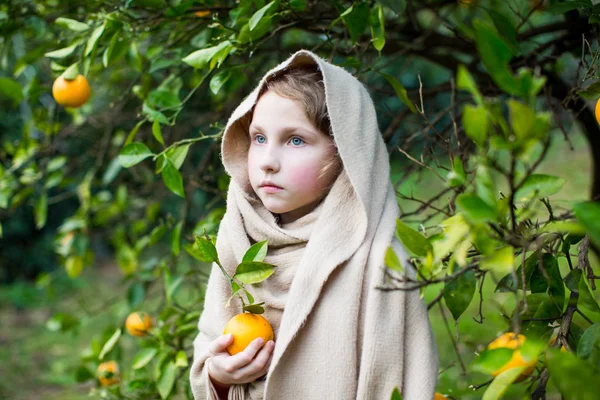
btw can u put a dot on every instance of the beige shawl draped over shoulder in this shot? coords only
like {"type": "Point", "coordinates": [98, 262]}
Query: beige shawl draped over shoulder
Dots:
{"type": "Point", "coordinates": [336, 335]}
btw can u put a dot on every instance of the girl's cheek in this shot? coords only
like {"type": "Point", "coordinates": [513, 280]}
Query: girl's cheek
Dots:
{"type": "Point", "coordinates": [304, 177]}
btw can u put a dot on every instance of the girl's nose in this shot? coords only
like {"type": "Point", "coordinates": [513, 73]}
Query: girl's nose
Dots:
{"type": "Point", "coordinates": [269, 161]}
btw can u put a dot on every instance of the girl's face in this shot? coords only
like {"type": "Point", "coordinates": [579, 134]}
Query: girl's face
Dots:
{"type": "Point", "coordinates": [286, 156]}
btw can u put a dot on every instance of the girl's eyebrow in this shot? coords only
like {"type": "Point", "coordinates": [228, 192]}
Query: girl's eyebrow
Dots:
{"type": "Point", "coordinates": [285, 130]}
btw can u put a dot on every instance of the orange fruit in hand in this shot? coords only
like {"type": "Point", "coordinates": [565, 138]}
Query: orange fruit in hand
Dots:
{"type": "Point", "coordinates": [138, 323]}
{"type": "Point", "coordinates": [509, 341]}
{"type": "Point", "coordinates": [246, 327]}
{"type": "Point", "coordinates": [108, 373]}
{"type": "Point", "coordinates": [439, 396]}
{"type": "Point", "coordinates": [71, 93]}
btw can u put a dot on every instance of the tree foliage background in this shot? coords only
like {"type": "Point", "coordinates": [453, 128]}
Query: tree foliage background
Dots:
{"type": "Point", "coordinates": [470, 97]}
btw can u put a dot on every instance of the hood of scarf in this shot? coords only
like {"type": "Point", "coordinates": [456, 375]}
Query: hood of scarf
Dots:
{"type": "Point", "coordinates": [347, 217]}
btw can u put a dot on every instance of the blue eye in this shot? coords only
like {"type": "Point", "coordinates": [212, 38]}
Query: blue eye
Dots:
{"type": "Point", "coordinates": [259, 139]}
{"type": "Point", "coordinates": [296, 141]}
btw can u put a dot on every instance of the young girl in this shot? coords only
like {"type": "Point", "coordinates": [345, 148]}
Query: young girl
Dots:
{"type": "Point", "coordinates": [310, 174]}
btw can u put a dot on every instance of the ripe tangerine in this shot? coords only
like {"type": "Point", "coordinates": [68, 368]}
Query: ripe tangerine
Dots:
{"type": "Point", "coordinates": [71, 93]}
{"type": "Point", "coordinates": [246, 327]}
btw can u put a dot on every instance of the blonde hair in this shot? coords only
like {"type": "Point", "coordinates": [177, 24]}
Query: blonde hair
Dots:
{"type": "Point", "coordinates": [303, 84]}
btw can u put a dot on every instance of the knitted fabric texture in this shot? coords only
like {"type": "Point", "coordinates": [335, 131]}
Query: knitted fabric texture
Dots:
{"type": "Point", "coordinates": [337, 336]}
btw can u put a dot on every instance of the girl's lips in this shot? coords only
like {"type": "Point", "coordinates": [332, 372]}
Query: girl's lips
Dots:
{"type": "Point", "coordinates": [271, 189]}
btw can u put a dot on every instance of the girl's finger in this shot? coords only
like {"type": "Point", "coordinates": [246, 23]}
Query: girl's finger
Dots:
{"type": "Point", "coordinates": [245, 357]}
{"type": "Point", "coordinates": [260, 363]}
{"type": "Point", "coordinates": [219, 345]}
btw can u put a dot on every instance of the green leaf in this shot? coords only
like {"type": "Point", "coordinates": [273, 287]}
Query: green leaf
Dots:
{"type": "Point", "coordinates": [525, 123]}
{"type": "Point", "coordinates": [377, 22]}
{"type": "Point", "coordinates": [260, 14]}
{"type": "Point", "coordinates": [167, 379]}
{"type": "Point", "coordinates": [397, 6]}
{"type": "Point", "coordinates": [592, 92]}
{"type": "Point", "coordinates": [357, 20]}
{"type": "Point", "coordinates": [474, 208]}
{"type": "Point", "coordinates": [455, 231]}
{"type": "Point", "coordinates": [181, 359]}
{"type": "Point", "coordinates": [500, 262]}
{"type": "Point", "coordinates": [501, 383]}
{"type": "Point", "coordinates": [254, 308]}
{"type": "Point", "coordinates": [464, 80]}
{"type": "Point", "coordinates": [495, 55]}
{"type": "Point", "coordinates": [458, 293]}
{"type": "Point", "coordinates": [539, 185]}
{"type": "Point", "coordinates": [135, 294]}
{"type": "Point", "coordinates": [298, 5]}
{"type": "Point", "coordinates": [83, 374]}
{"type": "Point", "coordinates": [173, 179]}
{"type": "Point", "coordinates": [218, 80]}
{"type": "Point", "coordinates": [396, 394]}
{"type": "Point", "coordinates": [576, 379]}
{"type": "Point", "coordinates": [586, 298]}
{"type": "Point", "coordinates": [588, 215]}
{"type": "Point", "coordinates": [204, 250]}
{"type": "Point", "coordinates": [134, 153]}
{"type": "Point", "coordinates": [74, 266]}
{"type": "Point", "coordinates": [484, 185]}
{"type": "Point", "coordinates": [457, 175]}
{"type": "Point", "coordinates": [554, 284]}
{"type": "Point", "coordinates": [561, 8]}
{"type": "Point", "coordinates": [133, 132]}
{"type": "Point", "coordinates": [156, 132]}
{"type": "Point", "coordinates": [588, 348]}
{"type": "Point", "coordinates": [178, 154]}
{"type": "Point", "coordinates": [72, 24]}
{"type": "Point", "coordinates": [11, 89]}
{"type": "Point", "coordinates": [250, 297]}
{"type": "Point", "coordinates": [56, 163]}
{"type": "Point", "coordinates": [157, 234]}
{"type": "Point", "coordinates": [62, 322]}
{"type": "Point", "coordinates": [176, 238]}
{"type": "Point", "coordinates": [93, 40]}
{"type": "Point", "coordinates": [476, 123]}
{"type": "Point", "coordinates": [412, 240]}
{"type": "Point", "coordinates": [257, 252]}
{"type": "Point", "coordinates": [506, 27]}
{"type": "Point", "coordinates": [153, 114]}
{"type": "Point", "coordinates": [143, 357]}
{"type": "Point", "coordinates": [41, 210]}
{"type": "Point", "coordinates": [392, 261]}
{"type": "Point", "coordinates": [251, 272]}
{"type": "Point", "coordinates": [201, 58]}
{"type": "Point", "coordinates": [62, 53]}
{"type": "Point", "coordinates": [490, 361]}
{"type": "Point", "coordinates": [400, 91]}
{"type": "Point", "coordinates": [110, 344]}
{"type": "Point", "coordinates": [116, 49]}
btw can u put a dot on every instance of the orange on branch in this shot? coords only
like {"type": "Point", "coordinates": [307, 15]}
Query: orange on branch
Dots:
{"type": "Point", "coordinates": [108, 373]}
{"type": "Point", "coordinates": [598, 111]}
{"type": "Point", "coordinates": [202, 13]}
{"type": "Point", "coordinates": [508, 340]}
{"type": "Point", "coordinates": [138, 323]}
{"type": "Point", "coordinates": [246, 327]}
{"type": "Point", "coordinates": [439, 396]}
{"type": "Point", "coordinates": [71, 93]}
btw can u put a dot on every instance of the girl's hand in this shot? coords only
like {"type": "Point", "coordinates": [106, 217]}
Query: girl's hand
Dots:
{"type": "Point", "coordinates": [246, 366]}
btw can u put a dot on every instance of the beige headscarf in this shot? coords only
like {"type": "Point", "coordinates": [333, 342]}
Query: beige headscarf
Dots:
{"type": "Point", "coordinates": [337, 337]}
